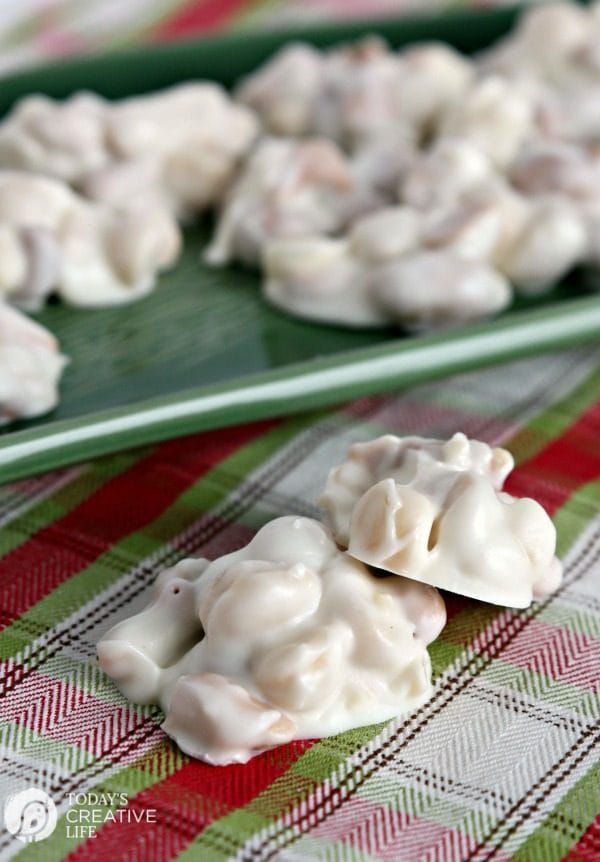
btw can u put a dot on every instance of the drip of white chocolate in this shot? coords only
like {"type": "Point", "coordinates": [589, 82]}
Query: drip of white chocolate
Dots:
{"type": "Point", "coordinates": [287, 638]}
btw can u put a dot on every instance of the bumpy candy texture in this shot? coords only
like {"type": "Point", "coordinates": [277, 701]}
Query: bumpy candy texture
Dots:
{"type": "Point", "coordinates": [287, 638]}
{"type": "Point", "coordinates": [30, 366]}
{"type": "Point", "coordinates": [53, 240]}
{"type": "Point", "coordinates": [434, 511]}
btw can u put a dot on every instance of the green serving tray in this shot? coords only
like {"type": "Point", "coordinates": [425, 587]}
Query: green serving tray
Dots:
{"type": "Point", "coordinates": [203, 351]}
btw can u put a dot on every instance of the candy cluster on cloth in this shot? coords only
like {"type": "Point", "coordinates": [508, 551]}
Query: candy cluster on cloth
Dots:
{"type": "Point", "coordinates": [435, 511]}
{"type": "Point", "coordinates": [294, 636]}
{"type": "Point", "coordinates": [288, 638]}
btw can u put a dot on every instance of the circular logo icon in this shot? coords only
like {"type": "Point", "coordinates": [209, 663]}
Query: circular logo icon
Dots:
{"type": "Point", "coordinates": [30, 815]}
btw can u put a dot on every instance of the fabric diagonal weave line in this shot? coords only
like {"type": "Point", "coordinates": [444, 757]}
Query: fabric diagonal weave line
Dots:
{"type": "Point", "coordinates": [500, 764]}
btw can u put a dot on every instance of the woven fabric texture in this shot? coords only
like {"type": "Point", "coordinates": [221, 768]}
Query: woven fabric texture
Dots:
{"type": "Point", "coordinates": [502, 762]}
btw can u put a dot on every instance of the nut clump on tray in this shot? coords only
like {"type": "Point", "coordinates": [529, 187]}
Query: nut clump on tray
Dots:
{"type": "Point", "coordinates": [497, 153]}
{"type": "Point", "coordinates": [53, 240]}
{"type": "Point", "coordinates": [30, 366]}
{"type": "Point", "coordinates": [89, 196]}
{"type": "Point", "coordinates": [177, 148]}
{"type": "Point", "coordinates": [294, 636]}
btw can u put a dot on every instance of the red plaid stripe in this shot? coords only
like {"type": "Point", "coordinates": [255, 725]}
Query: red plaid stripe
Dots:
{"type": "Point", "coordinates": [186, 803]}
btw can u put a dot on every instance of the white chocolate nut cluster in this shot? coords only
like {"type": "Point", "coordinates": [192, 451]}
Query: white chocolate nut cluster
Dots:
{"type": "Point", "coordinates": [567, 171]}
{"type": "Point", "coordinates": [288, 188]}
{"type": "Point", "coordinates": [143, 160]}
{"type": "Point", "coordinates": [391, 269]}
{"type": "Point", "coordinates": [30, 367]}
{"type": "Point", "coordinates": [357, 92]}
{"type": "Point", "coordinates": [287, 638]}
{"type": "Point", "coordinates": [292, 637]}
{"type": "Point", "coordinates": [65, 140]}
{"type": "Point", "coordinates": [453, 261]}
{"type": "Point", "coordinates": [499, 154]}
{"type": "Point", "coordinates": [555, 45]}
{"type": "Point", "coordinates": [53, 240]}
{"type": "Point", "coordinates": [189, 139]}
{"type": "Point", "coordinates": [553, 56]}
{"type": "Point", "coordinates": [435, 512]}
{"type": "Point", "coordinates": [533, 242]}
{"type": "Point", "coordinates": [177, 148]}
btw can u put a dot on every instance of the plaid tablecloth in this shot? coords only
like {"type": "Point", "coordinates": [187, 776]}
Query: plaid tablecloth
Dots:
{"type": "Point", "coordinates": [502, 763]}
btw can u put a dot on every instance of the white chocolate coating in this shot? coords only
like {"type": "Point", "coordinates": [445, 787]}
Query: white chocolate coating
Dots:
{"type": "Point", "coordinates": [65, 140]}
{"type": "Point", "coordinates": [432, 289]}
{"type": "Point", "coordinates": [179, 147]}
{"type": "Point", "coordinates": [433, 76]}
{"type": "Point", "coordinates": [358, 92]}
{"type": "Point", "coordinates": [390, 270]}
{"type": "Point", "coordinates": [287, 189]}
{"type": "Point", "coordinates": [380, 163]}
{"type": "Point", "coordinates": [52, 239]}
{"type": "Point", "coordinates": [554, 55]}
{"type": "Point", "coordinates": [435, 512]}
{"type": "Point", "coordinates": [494, 117]}
{"type": "Point", "coordinates": [285, 90]}
{"type": "Point", "coordinates": [554, 43]}
{"type": "Point", "coordinates": [552, 240]}
{"type": "Point", "coordinates": [332, 280]}
{"type": "Point", "coordinates": [569, 172]}
{"type": "Point", "coordinates": [320, 279]}
{"type": "Point", "coordinates": [444, 173]}
{"type": "Point", "coordinates": [30, 367]}
{"type": "Point", "coordinates": [287, 638]}
{"type": "Point", "coordinates": [345, 94]}
{"type": "Point", "coordinates": [195, 134]}
{"type": "Point", "coordinates": [532, 241]}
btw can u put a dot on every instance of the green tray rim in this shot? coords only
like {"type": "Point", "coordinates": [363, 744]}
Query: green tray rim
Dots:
{"type": "Point", "coordinates": [301, 386]}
